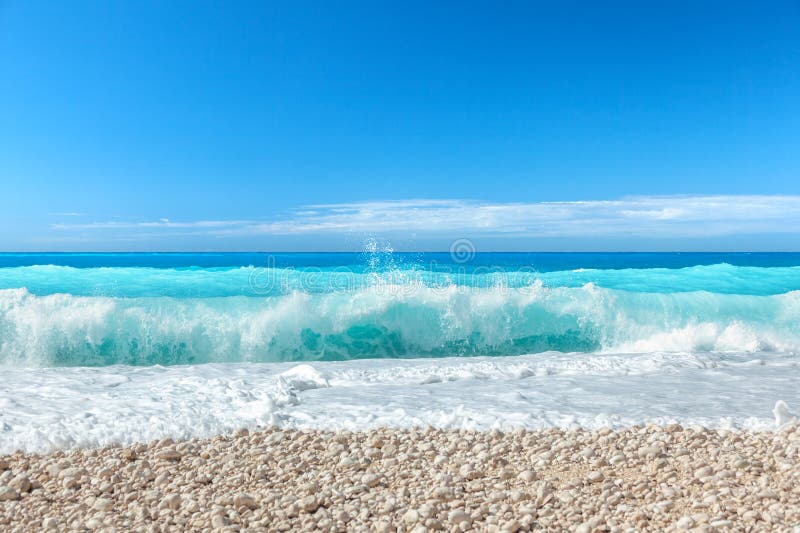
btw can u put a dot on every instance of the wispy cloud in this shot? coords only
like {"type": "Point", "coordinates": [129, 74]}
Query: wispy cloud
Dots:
{"type": "Point", "coordinates": [647, 216]}
{"type": "Point", "coordinates": [160, 223]}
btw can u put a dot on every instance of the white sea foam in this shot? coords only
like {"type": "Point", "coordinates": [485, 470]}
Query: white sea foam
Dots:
{"type": "Point", "coordinates": [403, 320]}
{"type": "Point", "coordinates": [50, 408]}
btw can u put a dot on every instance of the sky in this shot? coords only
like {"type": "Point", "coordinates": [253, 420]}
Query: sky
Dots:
{"type": "Point", "coordinates": [290, 126]}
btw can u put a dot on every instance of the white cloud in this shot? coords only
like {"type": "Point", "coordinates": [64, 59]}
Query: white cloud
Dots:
{"type": "Point", "coordinates": [647, 216]}
{"type": "Point", "coordinates": [160, 223]}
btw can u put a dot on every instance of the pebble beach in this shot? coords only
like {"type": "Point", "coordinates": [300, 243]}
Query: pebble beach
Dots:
{"type": "Point", "coordinates": [173, 393]}
{"type": "Point", "coordinates": [645, 478]}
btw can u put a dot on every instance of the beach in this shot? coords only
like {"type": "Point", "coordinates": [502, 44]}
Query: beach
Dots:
{"type": "Point", "coordinates": [609, 392]}
{"type": "Point", "coordinates": [644, 478]}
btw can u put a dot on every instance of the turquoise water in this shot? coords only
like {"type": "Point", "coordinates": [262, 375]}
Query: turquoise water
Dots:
{"type": "Point", "coordinates": [145, 309]}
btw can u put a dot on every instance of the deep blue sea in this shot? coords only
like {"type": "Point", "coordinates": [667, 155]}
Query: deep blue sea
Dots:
{"type": "Point", "coordinates": [95, 309]}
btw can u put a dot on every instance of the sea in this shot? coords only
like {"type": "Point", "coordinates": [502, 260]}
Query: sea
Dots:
{"type": "Point", "coordinates": [114, 348]}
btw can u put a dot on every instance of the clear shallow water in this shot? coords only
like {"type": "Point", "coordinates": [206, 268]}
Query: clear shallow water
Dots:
{"type": "Point", "coordinates": [89, 343]}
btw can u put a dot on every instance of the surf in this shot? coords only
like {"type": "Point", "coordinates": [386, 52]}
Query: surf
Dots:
{"type": "Point", "coordinates": [386, 321]}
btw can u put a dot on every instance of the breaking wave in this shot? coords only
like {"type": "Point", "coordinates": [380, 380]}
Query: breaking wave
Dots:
{"type": "Point", "coordinates": [389, 320]}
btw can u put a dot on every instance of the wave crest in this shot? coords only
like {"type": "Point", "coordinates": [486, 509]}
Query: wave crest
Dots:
{"type": "Point", "coordinates": [411, 320]}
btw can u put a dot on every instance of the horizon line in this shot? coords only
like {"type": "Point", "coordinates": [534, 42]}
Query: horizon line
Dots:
{"type": "Point", "coordinates": [405, 252]}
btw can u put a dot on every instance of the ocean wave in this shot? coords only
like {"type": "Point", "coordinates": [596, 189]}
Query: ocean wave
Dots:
{"type": "Point", "coordinates": [259, 281]}
{"type": "Point", "coordinates": [386, 321]}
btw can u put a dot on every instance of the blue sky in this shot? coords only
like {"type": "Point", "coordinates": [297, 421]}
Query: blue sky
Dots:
{"type": "Point", "coordinates": [294, 125]}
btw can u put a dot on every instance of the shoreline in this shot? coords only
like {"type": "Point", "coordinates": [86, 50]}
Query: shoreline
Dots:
{"type": "Point", "coordinates": [639, 478]}
{"type": "Point", "coordinates": [45, 409]}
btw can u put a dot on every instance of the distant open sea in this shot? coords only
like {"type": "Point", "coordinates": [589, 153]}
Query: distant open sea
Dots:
{"type": "Point", "coordinates": [116, 347]}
